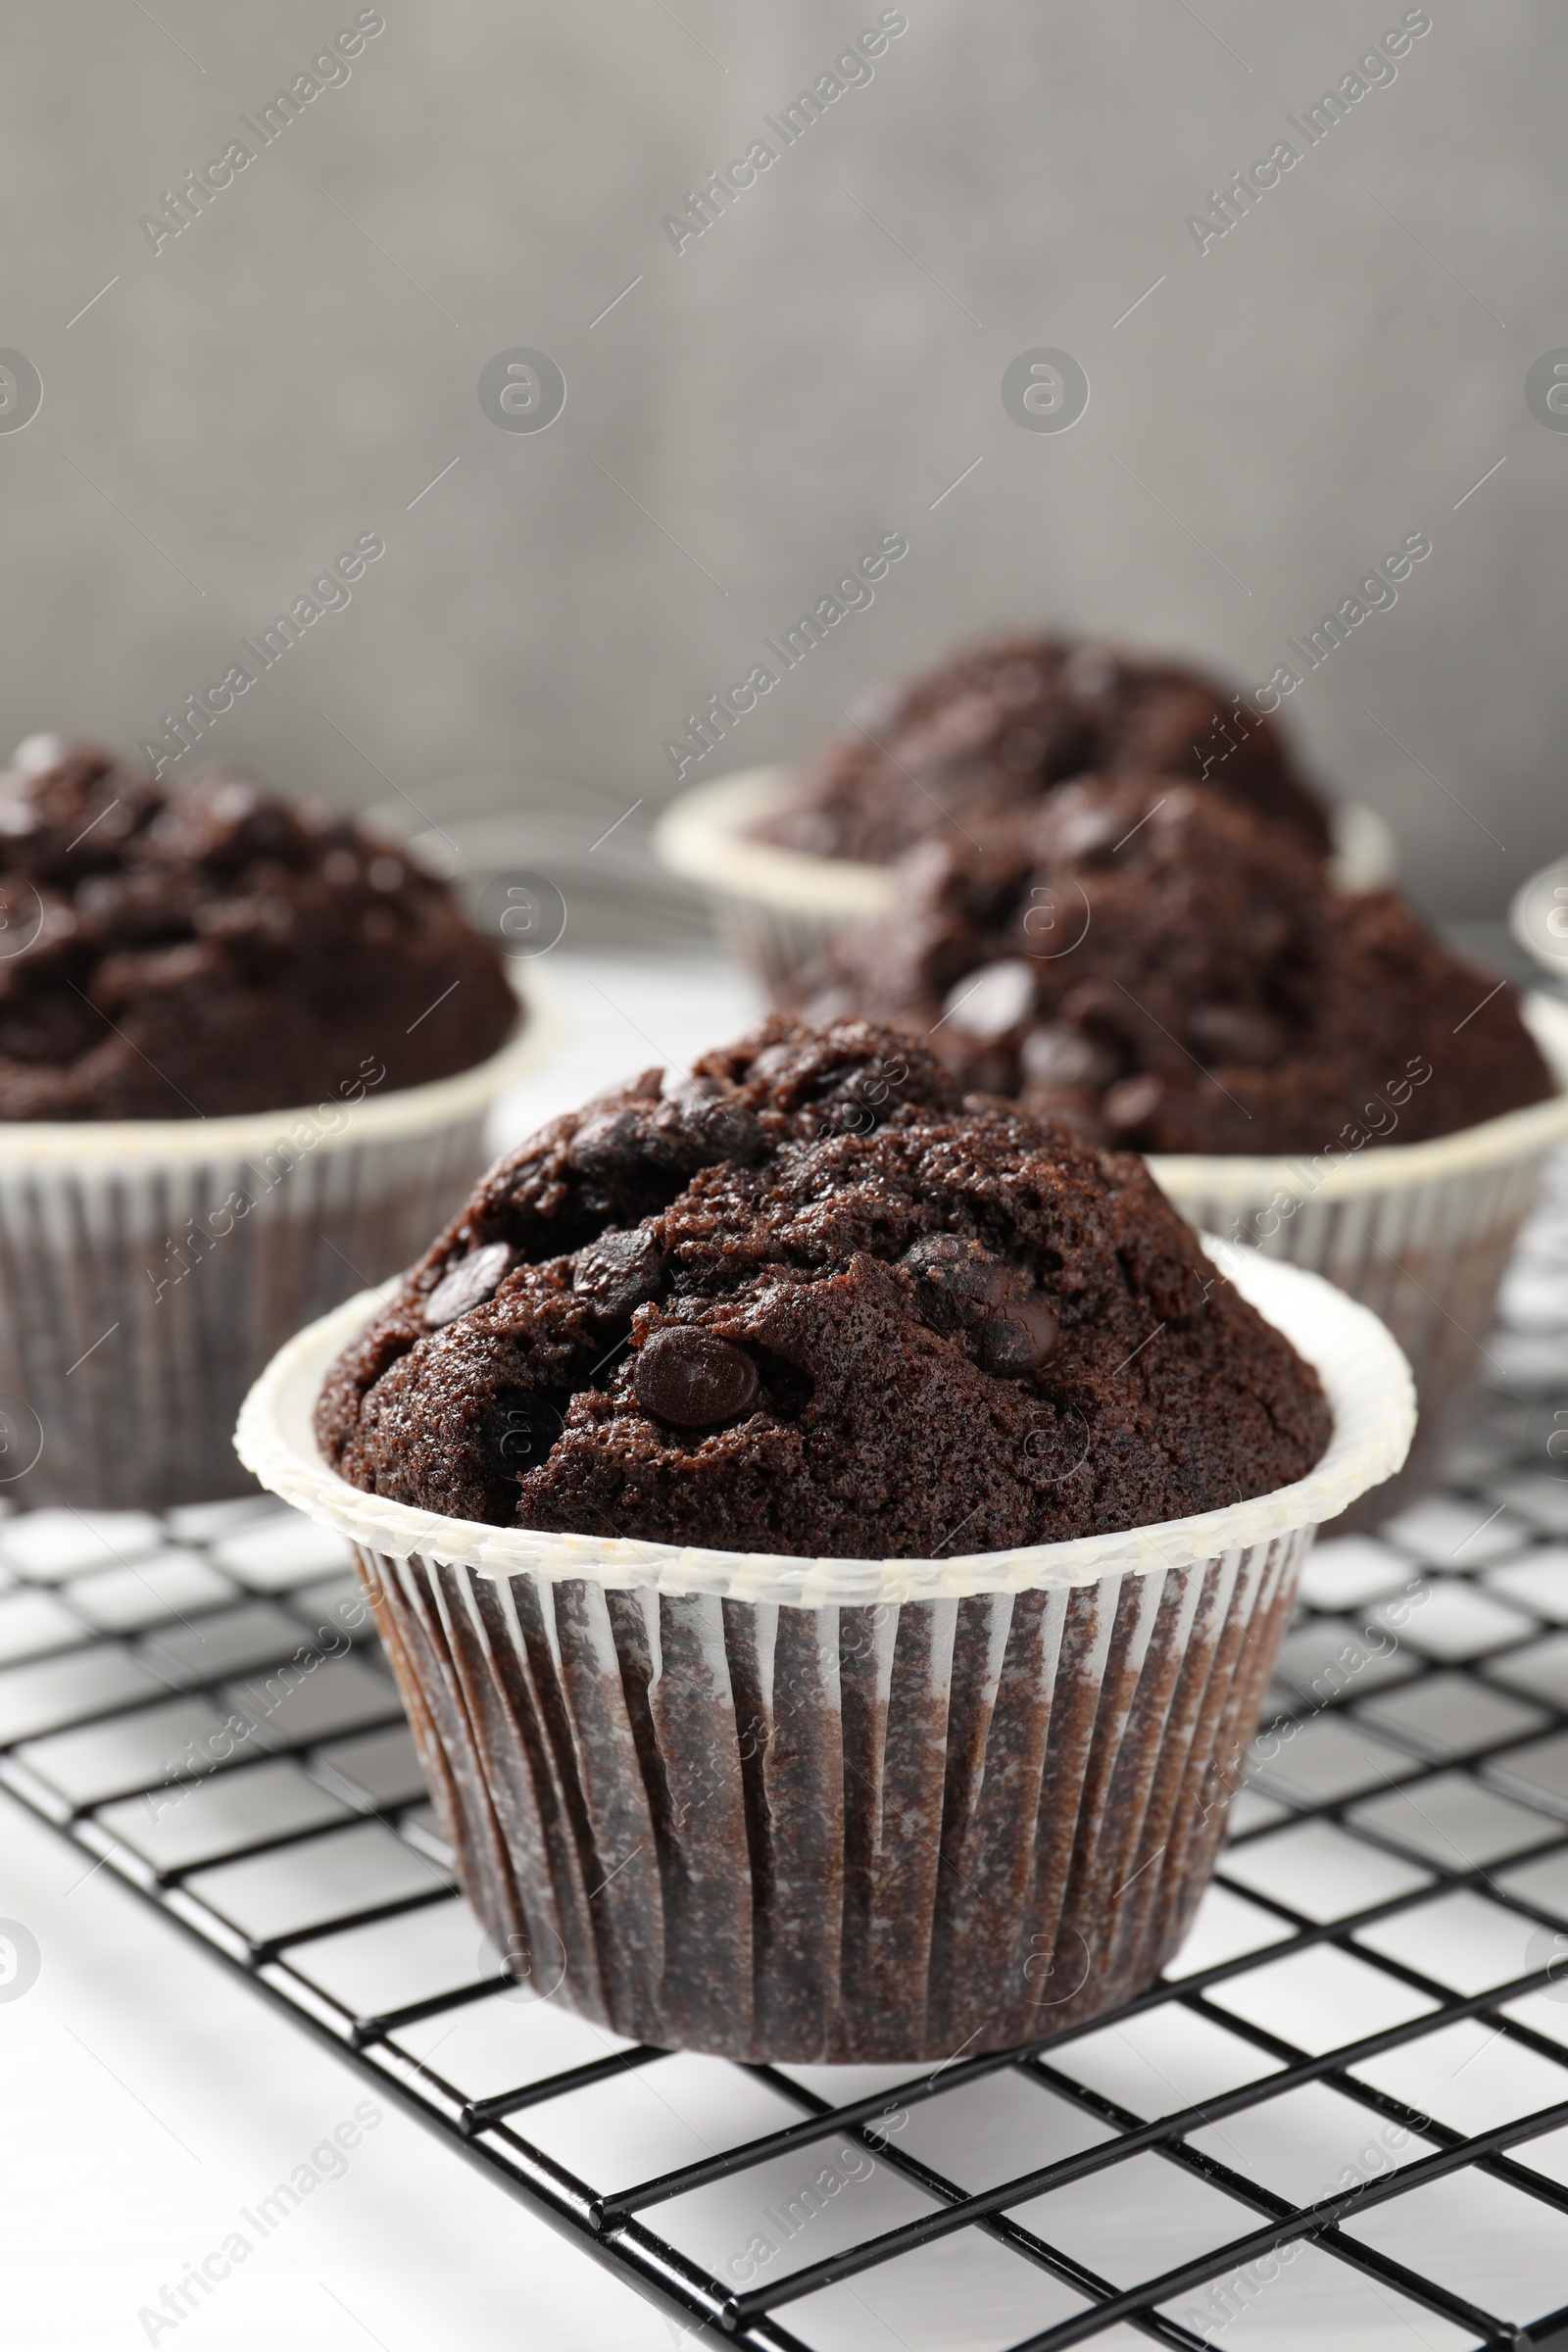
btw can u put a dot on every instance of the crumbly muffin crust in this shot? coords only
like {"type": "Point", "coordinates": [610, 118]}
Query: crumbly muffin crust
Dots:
{"type": "Point", "coordinates": [809, 1301]}
{"type": "Point", "coordinates": [1170, 971]}
{"type": "Point", "coordinates": [995, 726]}
{"type": "Point", "coordinates": [216, 950]}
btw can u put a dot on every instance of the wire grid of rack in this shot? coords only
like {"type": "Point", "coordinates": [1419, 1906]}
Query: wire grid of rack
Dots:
{"type": "Point", "coordinates": [1347, 2106]}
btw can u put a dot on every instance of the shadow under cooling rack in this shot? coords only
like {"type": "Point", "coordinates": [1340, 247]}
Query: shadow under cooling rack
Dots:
{"type": "Point", "coordinates": [1345, 2109]}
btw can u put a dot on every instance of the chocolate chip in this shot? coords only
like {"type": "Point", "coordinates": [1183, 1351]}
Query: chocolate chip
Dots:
{"type": "Point", "coordinates": [934, 1249]}
{"type": "Point", "coordinates": [990, 1002]}
{"type": "Point", "coordinates": [693, 1377]}
{"type": "Point", "coordinates": [727, 1129]}
{"type": "Point", "coordinates": [1133, 1102]}
{"type": "Point", "coordinates": [1083, 828]}
{"type": "Point", "coordinates": [994, 1299]}
{"type": "Point", "coordinates": [474, 1279]}
{"type": "Point", "coordinates": [674, 1137]}
{"type": "Point", "coordinates": [960, 1270]}
{"type": "Point", "coordinates": [607, 1144]}
{"type": "Point", "coordinates": [1020, 1339]}
{"type": "Point", "coordinates": [1056, 1055]}
{"type": "Point", "coordinates": [619, 1271]}
{"type": "Point", "coordinates": [694, 1094]}
{"type": "Point", "coordinates": [1235, 1033]}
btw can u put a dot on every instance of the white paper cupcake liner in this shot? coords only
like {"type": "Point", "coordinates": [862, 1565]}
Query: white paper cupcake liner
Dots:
{"type": "Point", "coordinates": [778, 908]}
{"type": "Point", "coordinates": [149, 1269]}
{"type": "Point", "coordinates": [1420, 1233]}
{"type": "Point", "coordinates": [842, 1809]}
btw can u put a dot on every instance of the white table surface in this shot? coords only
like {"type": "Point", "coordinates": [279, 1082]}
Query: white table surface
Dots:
{"type": "Point", "coordinates": [148, 2099]}
{"type": "Point", "coordinates": [148, 2096]}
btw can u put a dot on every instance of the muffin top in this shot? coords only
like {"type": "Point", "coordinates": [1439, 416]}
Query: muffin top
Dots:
{"type": "Point", "coordinates": [809, 1301]}
{"type": "Point", "coordinates": [1165, 970]}
{"type": "Point", "coordinates": [994, 726]}
{"type": "Point", "coordinates": [218, 949]}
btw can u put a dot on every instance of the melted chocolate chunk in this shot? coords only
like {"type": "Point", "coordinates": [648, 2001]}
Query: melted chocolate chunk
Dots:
{"type": "Point", "coordinates": [694, 1378]}
{"type": "Point", "coordinates": [964, 1287]}
{"type": "Point", "coordinates": [677, 1135]}
{"type": "Point", "coordinates": [609, 1145]}
{"type": "Point", "coordinates": [620, 1271]}
{"type": "Point", "coordinates": [1021, 1339]}
{"type": "Point", "coordinates": [961, 1275]}
{"type": "Point", "coordinates": [474, 1279]}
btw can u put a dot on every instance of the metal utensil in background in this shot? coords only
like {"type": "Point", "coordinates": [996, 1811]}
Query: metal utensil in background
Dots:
{"type": "Point", "coordinates": [541, 862]}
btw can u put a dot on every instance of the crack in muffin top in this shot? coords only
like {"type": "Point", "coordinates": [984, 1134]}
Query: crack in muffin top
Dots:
{"type": "Point", "coordinates": [810, 1301]}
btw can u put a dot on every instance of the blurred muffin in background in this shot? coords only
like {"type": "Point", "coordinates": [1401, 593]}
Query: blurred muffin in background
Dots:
{"type": "Point", "coordinates": [1000, 724]}
{"type": "Point", "coordinates": [1315, 1071]}
{"type": "Point", "coordinates": [218, 949]}
{"type": "Point", "coordinates": [247, 1051]}
{"type": "Point", "coordinates": [1160, 964]}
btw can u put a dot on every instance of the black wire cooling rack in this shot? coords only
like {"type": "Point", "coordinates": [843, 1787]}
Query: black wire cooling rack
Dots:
{"type": "Point", "coordinates": [1347, 2110]}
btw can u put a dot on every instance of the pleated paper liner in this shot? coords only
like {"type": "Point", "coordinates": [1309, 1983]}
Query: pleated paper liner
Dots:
{"type": "Point", "coordinates": [822, 1809]}
{"type": "Point", "coordinates": [150, 1268]}
{"type": "Point", "coordinates": [1420, 1233]}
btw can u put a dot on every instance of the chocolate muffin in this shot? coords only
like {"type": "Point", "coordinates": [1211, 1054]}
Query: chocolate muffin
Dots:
{"type": "Point", "coordinates": [1170, 971]}
{"type": "Point", "coordinates": [216, 950]}
{"type": "Point", "coordinates": [809, 1301]}
{"type": "Point", "coordinates": [994, 727]}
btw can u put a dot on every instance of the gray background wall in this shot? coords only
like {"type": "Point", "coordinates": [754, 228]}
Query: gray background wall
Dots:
{"type": "Point", "coordinates": [817, 368]}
